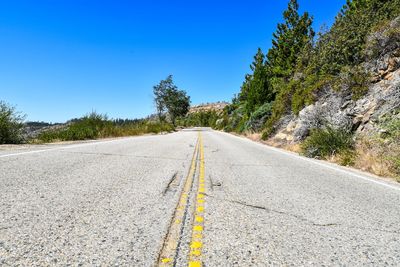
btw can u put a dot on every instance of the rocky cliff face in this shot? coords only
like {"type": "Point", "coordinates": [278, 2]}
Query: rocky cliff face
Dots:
{"type": "Point", "coordinates": [338, 109]}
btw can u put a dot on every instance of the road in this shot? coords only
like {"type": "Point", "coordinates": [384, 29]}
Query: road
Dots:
{"type": "Point", "coordinates": [195, 197]}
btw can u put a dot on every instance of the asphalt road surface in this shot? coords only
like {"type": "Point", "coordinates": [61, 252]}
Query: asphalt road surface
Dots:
{"type": "Point", "coordinates": [196, 197]}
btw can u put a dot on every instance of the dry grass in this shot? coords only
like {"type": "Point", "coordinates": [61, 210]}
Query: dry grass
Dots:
{"type": "Point", "coordinates": [374, 157]}
{"type": "Point", "coordinates": [294, 147]}
{"type": "Point", "coordinates": [253, 136]}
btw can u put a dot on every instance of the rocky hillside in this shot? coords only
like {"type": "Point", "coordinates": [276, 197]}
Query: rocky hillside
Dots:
{"type": "Point", "coordinates": [217, 106]}
{"type": "Point", "coordinates": [337, 108]}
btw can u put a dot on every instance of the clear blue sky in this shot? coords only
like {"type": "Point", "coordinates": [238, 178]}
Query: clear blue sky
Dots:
{"type": "Point", "coordinates": [61, 59]}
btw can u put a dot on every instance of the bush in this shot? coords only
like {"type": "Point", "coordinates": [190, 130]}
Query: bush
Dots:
{"type": "Point", "coordinates": [11, 124]}
{"type": "Point", "coordinates": [323, 143]}
{"type": "Point", "coordinates": [155, 127]}
{"type": "Point", "coordinates": [257, 118]}
{"type": "Point", "coordinates": [91, 126]}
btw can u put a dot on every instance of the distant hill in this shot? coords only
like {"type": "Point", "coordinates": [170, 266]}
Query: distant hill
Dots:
{"type": "Point", "coordinates": [34, 128]}
{"type": "Point", "coordinates": [216, 106]}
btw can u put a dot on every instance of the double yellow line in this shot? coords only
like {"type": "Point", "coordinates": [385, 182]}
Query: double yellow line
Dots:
{"type": "Point", "coordinates": [196, 244]}
{"type": "Point", "coordinates": [169, 252]}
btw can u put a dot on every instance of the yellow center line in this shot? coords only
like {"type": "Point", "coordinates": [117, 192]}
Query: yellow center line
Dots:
{"type": "Point", "coordinates": [169, 249]}
{"type": "Point", "coordinates": [196, 243]}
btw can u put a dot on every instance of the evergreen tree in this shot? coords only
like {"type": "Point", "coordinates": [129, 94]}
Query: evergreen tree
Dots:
{"type": "Point", "coordinates": [244, 89]}
{"type": "Point", "coordinates": [288, 41]}
{"type": "Point", "coordinates": [258, 87]}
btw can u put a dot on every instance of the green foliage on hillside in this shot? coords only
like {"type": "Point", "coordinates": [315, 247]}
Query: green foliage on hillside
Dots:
{"type": "Point", "coordinates": [11, 124]}
{"type": "Point", "coordinates": [298, 66]}
{"type": "Point", "coordinates": [289, 40]}
{"type": "Point", "coordinates": [335, 59]}
{"type": "Point", "coordinates": [256, 90]}
{"type": "Point", "coordinates": [270, 74]}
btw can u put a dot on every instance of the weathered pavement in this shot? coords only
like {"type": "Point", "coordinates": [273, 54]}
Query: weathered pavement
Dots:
{"type": "Point", "coordinates": [189, 198]}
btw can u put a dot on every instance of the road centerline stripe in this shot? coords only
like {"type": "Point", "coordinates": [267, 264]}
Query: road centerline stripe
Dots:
{"type": "Point", "coordinates": [168, 252]}
{"type": "Point", "coordinates": [196, 243]}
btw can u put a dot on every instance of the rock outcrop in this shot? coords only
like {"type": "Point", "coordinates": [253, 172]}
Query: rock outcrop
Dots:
{"type": "Point", "coordinates": [338, 109]}
{"type": "Point", "coordinates": [217, 106]}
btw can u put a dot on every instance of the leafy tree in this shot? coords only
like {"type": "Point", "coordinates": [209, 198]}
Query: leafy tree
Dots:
{"type": "Point", "coordinates": [159, 92]}
{"type": "Point", "coordinates": [288, 41]}
{"type": "Point", "coordinates": [11, 124]}
{"type": "Point", "coordinates": [177, 103]}
{"type": "Point", "coordinates": [168, 98]}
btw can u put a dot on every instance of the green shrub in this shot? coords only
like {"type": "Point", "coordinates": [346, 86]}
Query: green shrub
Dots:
{"type": "Point", "coordinates": [238, 120]}
{"type": "Point", "coordinates": [156, 127]}
{"type": "Point", "coordinates": [258, 117]}
{"type": "Point", "coordinates": [11, 124]}
{"type": "Point", "coordinates": [323, 143]}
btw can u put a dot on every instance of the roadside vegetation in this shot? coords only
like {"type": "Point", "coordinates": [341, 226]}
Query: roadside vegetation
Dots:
{"type": "Point", "coordinates": [94, 126]}
{"type": "Point", "coordinates": [197, 119]}
{"type": "Point", "coordinates": [11, 124]}
{"type": "Point", "coordinates": [330, 142]}
{"type": "Point", "coordinates": [380, 154]}
{"type": "Point", "coordinates": [171, 103]}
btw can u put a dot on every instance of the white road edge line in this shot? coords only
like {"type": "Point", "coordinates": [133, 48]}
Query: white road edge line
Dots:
{"type": "Point", "coordinates": [323, 164]}
{"type": "Point", "coordinates": [66, 147]}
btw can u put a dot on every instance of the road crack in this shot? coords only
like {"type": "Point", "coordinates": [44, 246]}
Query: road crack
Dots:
{"type": "Point", "coordinates": [296, 216]}
{"type": "Point", "coordinates": [301, 218]}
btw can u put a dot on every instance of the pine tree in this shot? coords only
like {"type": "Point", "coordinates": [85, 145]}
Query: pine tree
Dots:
{"type": "Point", "coordinates": [288, 41]}
{"type": "Point", "coordinates": [244, 89]}
{"type": "Point", "coordinates": [259, 90]}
